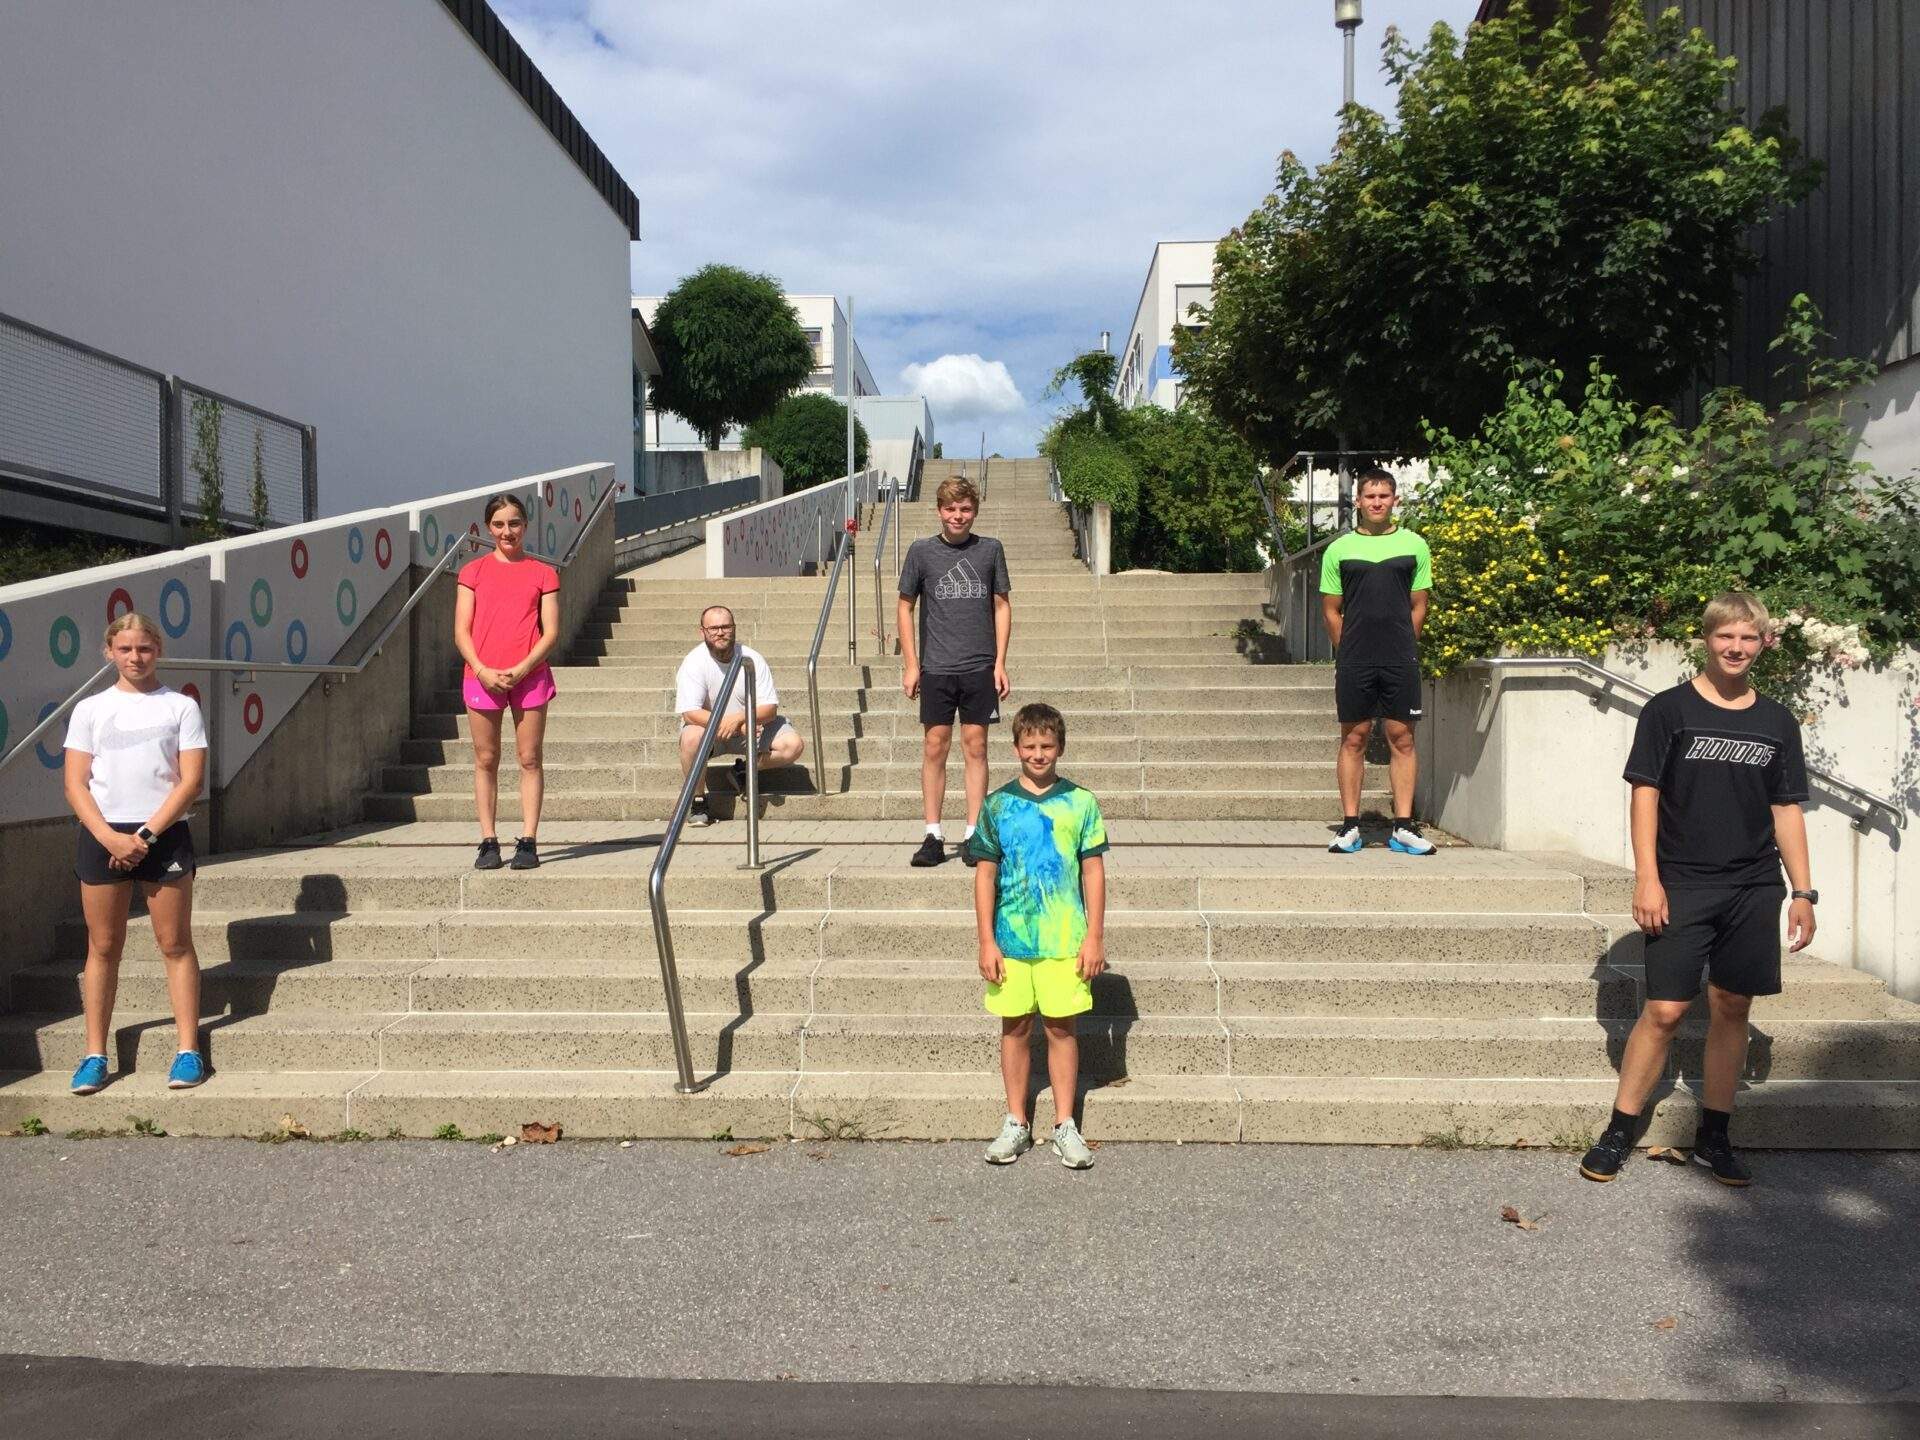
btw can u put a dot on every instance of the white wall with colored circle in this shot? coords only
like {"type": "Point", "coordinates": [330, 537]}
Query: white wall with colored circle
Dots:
{"type": "Point", "coordinates": [50, 643]}
{"type": "Point", "coordinates": [295, 596]}
{"type": "Point", "coordinates": [558, 504]}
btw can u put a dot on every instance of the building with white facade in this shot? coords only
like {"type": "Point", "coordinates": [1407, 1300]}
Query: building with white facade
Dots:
{"type": "Point", "coordinates": [1177, 293]}
{"type": "Point", "coordinates": [833, 350]}
{"type": "Point", "coordinates": [375, 217]}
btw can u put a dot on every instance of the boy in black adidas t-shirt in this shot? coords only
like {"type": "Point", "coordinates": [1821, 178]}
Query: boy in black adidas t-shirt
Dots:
{"type": "Point", "coordinates": [1718, 777]}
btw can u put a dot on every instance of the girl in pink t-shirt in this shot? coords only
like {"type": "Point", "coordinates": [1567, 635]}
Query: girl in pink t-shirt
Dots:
{"type": "Point", "coordinates": [505, 623]}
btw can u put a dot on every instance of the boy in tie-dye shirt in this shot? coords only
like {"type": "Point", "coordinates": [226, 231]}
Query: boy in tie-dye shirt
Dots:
{"type": "Point", "coordinates": [1040, 900]}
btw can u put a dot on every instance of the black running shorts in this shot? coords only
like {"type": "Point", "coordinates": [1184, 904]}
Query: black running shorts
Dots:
{"type": "Point", "coordinates": [1732, 932]}
{"type": "Point", "coordinates": [1362, 692]}
{"type": "Point", "coordinates": [170, 857]}
{"type": "Point", "coordinates": [972, 696]}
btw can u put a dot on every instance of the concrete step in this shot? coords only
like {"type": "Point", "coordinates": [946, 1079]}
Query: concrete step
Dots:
{"type": "Point", "coordinates": [906, 750]}
{"type": "Point", "coordinates": [596, 717]}
{"type": "Point", "coordinates": [868, 805]}
{"type": "Point", "coordinates": [1813, 1114]}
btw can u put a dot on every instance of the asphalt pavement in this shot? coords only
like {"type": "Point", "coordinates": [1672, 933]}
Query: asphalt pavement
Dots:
{"type": "Point", "coordinates": [861, 1276]}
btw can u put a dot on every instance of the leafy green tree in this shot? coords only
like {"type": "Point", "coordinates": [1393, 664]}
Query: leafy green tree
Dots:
{"type": "Point", "coordinates": [1092, 374]}
{"type": "Point", "coordinates": [807, 437]}
{"type": "Point", "coordinates": [1534, 201]}
{"type": "Point", "coordinates": [730, 347]}
{"type": "Point", "coordinates": [1199, 510]}
{"type": "Point", "coordinates": [260, 500]}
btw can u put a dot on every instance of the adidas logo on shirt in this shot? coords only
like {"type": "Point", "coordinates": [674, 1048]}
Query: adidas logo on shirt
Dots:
{"type": "Point", "coordinates": [962, 582]}
{"type": "Point", "coordinates": [1737, 752]}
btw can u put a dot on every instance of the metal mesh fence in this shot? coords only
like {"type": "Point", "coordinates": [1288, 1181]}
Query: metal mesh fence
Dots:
{"type": "Point", "coordinates": [242, 447]}
{"type": "Point", "coordinates": [71, 417]}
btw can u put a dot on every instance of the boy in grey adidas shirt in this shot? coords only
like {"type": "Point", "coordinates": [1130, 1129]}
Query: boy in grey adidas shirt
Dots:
{"type": "Point", "coordinates": [957, 662]}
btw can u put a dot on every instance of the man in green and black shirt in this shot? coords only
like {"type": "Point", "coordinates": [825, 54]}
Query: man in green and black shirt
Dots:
{"type": "Point", "coordinates": [1374, 582]}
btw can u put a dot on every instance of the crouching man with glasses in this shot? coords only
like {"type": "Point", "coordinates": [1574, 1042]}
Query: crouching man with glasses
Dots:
{"type": "Point", "coordinates": [697, 689]}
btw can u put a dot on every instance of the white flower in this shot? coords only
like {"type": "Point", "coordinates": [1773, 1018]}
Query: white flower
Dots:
{"type": "Point", "coordinates": [1646, 499]}
{"type": "Point", "coordinates": [1679, 472]}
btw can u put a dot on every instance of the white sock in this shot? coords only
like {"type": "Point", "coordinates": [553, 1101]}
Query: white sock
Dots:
{"type": "Point", "coordinates": [968, 836]}
{"type": "Point", "coordinates": [936, 832]}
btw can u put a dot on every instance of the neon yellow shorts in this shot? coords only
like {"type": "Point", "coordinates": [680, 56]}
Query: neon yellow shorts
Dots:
{"type": "Point", "coordinates": [1053, 987]}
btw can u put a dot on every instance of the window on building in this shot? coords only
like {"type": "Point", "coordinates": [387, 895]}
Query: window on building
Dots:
{"type": "Point", "coordinates": [1188, 298]}
{"type": "Point", "coordinates": [820, 355]}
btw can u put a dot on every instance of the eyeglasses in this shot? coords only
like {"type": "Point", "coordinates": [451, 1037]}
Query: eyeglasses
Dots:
{"type": "Point", "coordinates": [718, 629]}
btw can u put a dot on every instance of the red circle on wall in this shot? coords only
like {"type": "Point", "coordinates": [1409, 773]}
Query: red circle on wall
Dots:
{"type": "Point", "coordinates": [252, 712]}
{"type": "Point", "coordinates": [383, 549]}
{"type": "Point", "coordinates": [576, 512]}
{"type": "Point", "coordinates": [191, 691]}
{"type": "Point", "coordinates": [118, 604]}
{"type": "Point", "coordinates": [299, 559]}
{"type": "Point", "coordinates": [546, 492]}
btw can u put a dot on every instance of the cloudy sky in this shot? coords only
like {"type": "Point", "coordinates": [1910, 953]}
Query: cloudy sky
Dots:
{"type": "Point", "coordinates": [987, 180]}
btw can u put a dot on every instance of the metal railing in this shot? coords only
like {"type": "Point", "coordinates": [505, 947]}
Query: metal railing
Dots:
{"type": "Point", "coordinates": [670, 841]}
{"type": "Point", "coordinates": [1587, 669]}
{"type": "Point", "coordinates": [1293, 594]}
{"type": "Point", "coordinates": [813, 659]}
{"type": "Point", "coordinates": [676, 507]}
{"type": "Point", "coordinates": [888, 506]}
{"type": "Point", "coordinates": [333, 670]}
{"type": "Point", "coordinates": [1079, 518]}
{"type": "Point", "coordinates": [93, 441]}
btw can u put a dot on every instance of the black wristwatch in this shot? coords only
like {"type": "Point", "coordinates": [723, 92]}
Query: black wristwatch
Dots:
{"type": "Point", "coordinates": [1812, 897]}
{"type": "Point", "coordinates": [145, 836]}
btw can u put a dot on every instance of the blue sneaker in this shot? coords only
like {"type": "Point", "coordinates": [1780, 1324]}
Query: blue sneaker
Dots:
{"type": "Point", "coordinates": [91, 1077]}
{"type": "Point", "coordinates": [188, 1070]}
{"type": "Point", "coordinates": [1348, 842]}
{"type": "Point", "coordinates": [1407, 839]}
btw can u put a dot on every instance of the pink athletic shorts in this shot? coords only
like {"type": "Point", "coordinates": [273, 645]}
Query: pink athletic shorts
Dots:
{"type": "Point", "coordinates": [530, 694]}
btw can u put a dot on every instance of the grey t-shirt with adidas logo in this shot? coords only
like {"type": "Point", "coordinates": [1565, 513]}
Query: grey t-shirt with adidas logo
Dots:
{"type": "Point", "coordinates": [955, 585]}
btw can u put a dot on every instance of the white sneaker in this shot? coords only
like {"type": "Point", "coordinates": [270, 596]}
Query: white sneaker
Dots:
{"type": "Point", "coordinates": [1348, 841]}
{"type": "Point", "coordinates": [1407, 839]}
{"type": "Point", "coordinates": [1070, 1147]}
{"type": "Point", "coordinates": [1013, 1141]}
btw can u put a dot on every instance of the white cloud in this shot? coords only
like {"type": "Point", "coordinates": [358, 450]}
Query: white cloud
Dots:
{"type": "Point", "coordinates": [940, 162]}
{"type": "Point", "coordinates": [964, 387]}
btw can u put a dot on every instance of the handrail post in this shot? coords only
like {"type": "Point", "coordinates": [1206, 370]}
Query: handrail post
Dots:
{"type": "Point", "coordinates": [753, 766]}
{"type": "Point", "coordinates": [853, 619]}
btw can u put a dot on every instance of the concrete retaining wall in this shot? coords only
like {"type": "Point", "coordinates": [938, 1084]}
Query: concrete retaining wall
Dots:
{"type": "Point", "coordinates": [1530, 762]}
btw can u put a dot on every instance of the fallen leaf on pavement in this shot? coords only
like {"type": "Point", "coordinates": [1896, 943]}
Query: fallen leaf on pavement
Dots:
{"type": "Point", "coordinates": [745, 1150]}
{"type": "Point", "coordinates": [509, 1140]}
{"type": "Point", "coordinates": [1519, 1143]}
{"type": "Point", "coordinates": [1514, 1217]}
{"type": "Point", "coordinates": [535, 1133]}
{"type": "Point", "coordinates": [292, 1127]}
{"type": "Point", "coordinates": [940, 1219]}
{"type": "Point", "coordinates": [816, 1154]}
{"type": "Point", "coordinates": [1118, 1081]}
{"type": "Point", "coordinates": [1665, 1322]}
{"type": "Point", "coordinates": [1667, 1154]}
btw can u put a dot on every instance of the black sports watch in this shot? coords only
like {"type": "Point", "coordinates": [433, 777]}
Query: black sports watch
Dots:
{"type": "Point", "coordinates": [1812, 897]}
{"type": "Point", "coordinates": [145, 836]}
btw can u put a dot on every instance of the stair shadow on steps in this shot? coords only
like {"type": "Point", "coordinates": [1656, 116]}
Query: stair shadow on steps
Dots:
{"type": "Point", "coordinates": [757, 956]}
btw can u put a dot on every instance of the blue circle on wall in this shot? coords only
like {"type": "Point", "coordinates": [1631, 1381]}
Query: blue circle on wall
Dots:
{"type": "Point", "coordinates": [170, 592]}
{"type": "Point", "coordinates": [6, 634]}
{"type": "Point", "coordinates": [238, 631]}
{"type": "Point", "coordinates": [296, 642]}
{"type": "Point", "coordinates": [430, 534]}
{"type": "Point", "coordinates": [356, 545]}
{"type": "Point", "coordinates": [566, 501]}
{"type": "Point", "coordinates": [63, 641]}
{"type": "Point", "coordinates": [346, 603]}
{"type": "Point", "coordinates": [553, 539]}
{"type": "Point", "coordinates": [51, 759]}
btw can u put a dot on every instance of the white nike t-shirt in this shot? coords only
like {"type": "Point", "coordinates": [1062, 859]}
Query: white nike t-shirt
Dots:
{"type": "Point", "coordinates": [135, 739]}
{"type": "Point", "coordinates": [699, 677]}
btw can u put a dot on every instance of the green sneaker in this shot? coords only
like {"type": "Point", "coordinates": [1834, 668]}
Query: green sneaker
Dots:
{"type": "Point", "coordinates": [1070, 1147]}
{"type": "Point", "coordinates": [1013, 1141]}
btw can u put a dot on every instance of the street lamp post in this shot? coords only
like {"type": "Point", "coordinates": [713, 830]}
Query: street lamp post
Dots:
{"type": "Point", "coordinates": [1346, 15]}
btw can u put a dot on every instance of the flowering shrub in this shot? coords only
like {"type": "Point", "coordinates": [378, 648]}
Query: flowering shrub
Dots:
{"type": "Point", "coordinates": [1563, 529]}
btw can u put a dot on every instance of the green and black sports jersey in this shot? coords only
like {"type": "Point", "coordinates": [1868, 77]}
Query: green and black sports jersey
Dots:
{"type": "Point", "coordinates": [1375, 576]}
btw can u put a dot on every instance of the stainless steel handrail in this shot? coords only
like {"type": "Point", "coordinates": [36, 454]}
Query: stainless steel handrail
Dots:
{"type": "Point", "coordinates": [813, 660]}
{"type": "Point", "coordinates": [887, 509]}
{"type": "Point", "coordinates": [669, 842]}
{"type": "Point", "coordinates": [1079, 519]}
{"type": "Point", "coordinates": [286, 667]}
{"type": "Point", "coordinates": [1589, 669]}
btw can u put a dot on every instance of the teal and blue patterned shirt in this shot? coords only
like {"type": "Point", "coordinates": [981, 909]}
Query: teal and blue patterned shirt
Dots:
{"type": "Point", "coordinates": [1038, 842]}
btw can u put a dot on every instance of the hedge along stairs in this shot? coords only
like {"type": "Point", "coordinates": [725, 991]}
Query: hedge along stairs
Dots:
{"type": "Point", "coordinates": [1260, 989]}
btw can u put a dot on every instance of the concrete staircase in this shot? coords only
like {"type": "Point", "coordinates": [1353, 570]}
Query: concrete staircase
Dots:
{"type": "Point", "coordinates": [1261, 989]}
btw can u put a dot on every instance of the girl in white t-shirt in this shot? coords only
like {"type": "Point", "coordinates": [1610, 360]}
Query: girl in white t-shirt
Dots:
{"type": "Point", "coordinates": [136, 757]}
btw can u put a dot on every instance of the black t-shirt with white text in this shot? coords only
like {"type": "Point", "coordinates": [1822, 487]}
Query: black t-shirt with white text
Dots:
{"type": "Point", "coordinates": [1719, 772]}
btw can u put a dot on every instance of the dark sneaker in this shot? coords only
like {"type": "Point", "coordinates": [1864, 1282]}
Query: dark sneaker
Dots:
{"type": "Point", "coordinates": [1717, 1155]}
{"type": "Point", "coordinates": [740, 776]}
{"type": "Point", "coordinates": [526, 854]}
{"type": "Point", "coordinates": [697, 813]}
{"type": "Point", "coordinates": [1609, 1153]}
{"type": "Point", "coordinates": [967, 857]}
{"type": "Point", "coordinates": [932, 851]}
{"type": "Point", "coordinates": [489, 856]}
